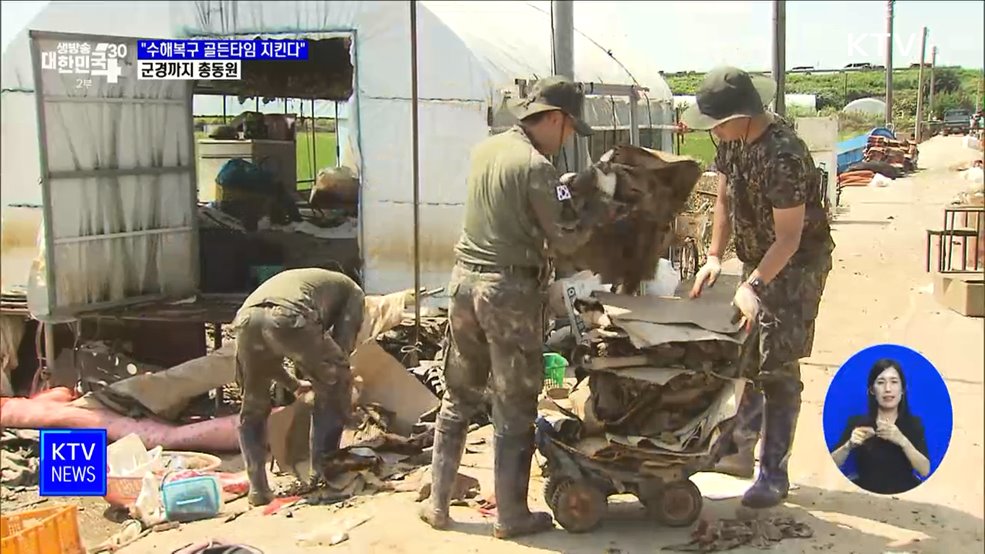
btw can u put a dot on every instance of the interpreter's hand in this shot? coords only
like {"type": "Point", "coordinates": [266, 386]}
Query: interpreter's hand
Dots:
{"type": "Point", "coordinates": [860, 435]}
{"type": "Point", "coordinates": [706, 276]}
{"type": "Point", "coordinates": [747, 302]}
{"type": "Point", "coordinates": [890, 432]}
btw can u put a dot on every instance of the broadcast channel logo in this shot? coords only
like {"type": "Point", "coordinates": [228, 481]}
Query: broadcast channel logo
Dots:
{"type": "Point", "coordinates": [73, 462]}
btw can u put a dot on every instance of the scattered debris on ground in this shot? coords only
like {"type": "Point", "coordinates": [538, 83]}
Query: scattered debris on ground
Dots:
{"type": "Point", "coordinates": [727, 534]}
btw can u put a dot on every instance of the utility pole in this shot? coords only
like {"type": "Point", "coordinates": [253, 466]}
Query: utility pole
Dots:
{"type": "Point", "coordinates": [918, 130]}
{"type": "Point", "coordinates": [889, 63]}
{"type": "Point", "coordinates": [563, 51]}
{"type": "Point", "coordinates": [780, 55]}
{"type": "Point", "coordinates": [933, 64]}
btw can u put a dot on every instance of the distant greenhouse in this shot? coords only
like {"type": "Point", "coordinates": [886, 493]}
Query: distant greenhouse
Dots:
{"type": "Point", "coordinates": [869, 106]}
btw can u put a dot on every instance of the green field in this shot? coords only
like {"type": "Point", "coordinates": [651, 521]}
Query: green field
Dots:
{"type": "Point", "coordinates": [699, 146]}
{"type": "Point", "coordinates": [324, 150]}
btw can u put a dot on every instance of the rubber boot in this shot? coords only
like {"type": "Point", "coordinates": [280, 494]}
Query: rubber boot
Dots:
{"type": "Point", "coordinates": [773, 484]}
{"type": "Point", "coordinates": [514, 454]}
{"type": "Point", "coordinates": [740, 461]}
{"type": "Point", "coordinates": [327, 426]}
{"type": "Point", "coordinates": [253, 444]}
{"type": "Point", "coordinates": [446, 457]}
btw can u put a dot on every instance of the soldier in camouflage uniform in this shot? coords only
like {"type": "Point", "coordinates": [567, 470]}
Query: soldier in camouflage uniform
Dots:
{"type": "Point", "coordinates": [769, 196]}
{"type": "Point", "coordinates": [513, 223]}
{"type": "Point", "coordinates": [290, 316]}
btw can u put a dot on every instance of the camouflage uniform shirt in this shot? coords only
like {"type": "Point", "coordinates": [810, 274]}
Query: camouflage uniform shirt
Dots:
{"type": "Point", "coordinates": [774, 171]}
{"type": "Point", "coordinates": [516, 209]}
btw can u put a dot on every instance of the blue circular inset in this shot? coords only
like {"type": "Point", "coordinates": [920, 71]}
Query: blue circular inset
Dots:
{"type": "Point", "coordinates": [876, 463]}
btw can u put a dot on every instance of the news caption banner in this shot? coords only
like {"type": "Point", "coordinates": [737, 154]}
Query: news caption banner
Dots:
{"type": "Point", "coordinates": [166, 59]}
{"type": "Point", "coordinates": [209, 59]}
{"type": "Point", "coordinates": [73, 462]}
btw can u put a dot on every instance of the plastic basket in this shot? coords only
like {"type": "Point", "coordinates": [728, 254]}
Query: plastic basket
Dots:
{"type": "Point", "coordinates": [555, 367]}
{"type": "Point", "coordinates": [45, 531]}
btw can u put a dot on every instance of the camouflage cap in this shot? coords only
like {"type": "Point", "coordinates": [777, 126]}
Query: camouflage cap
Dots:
{"type": "Point", "coordinates": [728, 93]}
{"type": "Point", "coordinates": [553, 93]}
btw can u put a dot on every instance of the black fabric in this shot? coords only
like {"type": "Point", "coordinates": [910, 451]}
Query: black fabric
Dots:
{"type": "Point", "coordinates": [883, 468]}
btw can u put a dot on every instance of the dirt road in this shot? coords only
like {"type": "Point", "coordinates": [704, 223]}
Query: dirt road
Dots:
{"type": "Point", "coordinates": [877, 293]}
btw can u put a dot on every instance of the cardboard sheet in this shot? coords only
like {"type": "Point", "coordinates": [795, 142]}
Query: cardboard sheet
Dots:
{"type": "Point", "coordinates": [713, 311]}
{"type": "Point", "coordinates": [388, 383]}
{"type": "Point", "coordinates": [168, 392]}
{"type": "Point", "coordinates": [655, 375]}
{"type": "Point", "coordinates": [644, 334]}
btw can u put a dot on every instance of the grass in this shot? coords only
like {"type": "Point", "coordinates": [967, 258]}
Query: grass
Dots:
{"type": "Point", "coordinates": [699, 146]}
{"type": "Point", "coordinates": [324, 149]}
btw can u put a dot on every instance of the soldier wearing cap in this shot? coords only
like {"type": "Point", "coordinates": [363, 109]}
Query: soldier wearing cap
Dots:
{"type": "Point", "coordinates": [516, 219]}
{"type": "Point", "coordinates": [769, 198]}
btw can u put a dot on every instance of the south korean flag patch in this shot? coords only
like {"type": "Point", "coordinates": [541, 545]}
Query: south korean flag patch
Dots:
{"type": "Point", "coordinates": [563, 193]}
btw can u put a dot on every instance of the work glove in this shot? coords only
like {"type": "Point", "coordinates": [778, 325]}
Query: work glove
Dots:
{"type": "Point", "coordinates": [567, 178]}
{"type": "Point", "coordinates": [747, 302]}
{"type": "Point", "coordinates": [706, 276]}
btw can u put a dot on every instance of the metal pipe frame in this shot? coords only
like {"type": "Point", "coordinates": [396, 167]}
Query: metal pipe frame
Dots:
{"type": "Point", "coordinates": [416, 175]}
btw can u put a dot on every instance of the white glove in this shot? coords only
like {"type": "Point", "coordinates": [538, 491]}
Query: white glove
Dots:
{"type": "Point", "coordinates": [606, 182]}
{"type": "Point", "coordinates": [567, 178]}
{"type": "Point", "coordinates": [747, 302]}
{"type": "Point", "coordinates": [706, 276]}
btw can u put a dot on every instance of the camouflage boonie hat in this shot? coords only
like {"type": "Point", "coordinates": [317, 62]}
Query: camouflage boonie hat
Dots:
{"type": "Point", "coordinates": [728, 93]}
{"type": "Point", "coordinates": [550, 94]}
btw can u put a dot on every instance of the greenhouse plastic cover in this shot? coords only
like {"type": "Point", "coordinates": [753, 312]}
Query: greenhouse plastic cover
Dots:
{"type": "Point", "coordinates": [469, 53]}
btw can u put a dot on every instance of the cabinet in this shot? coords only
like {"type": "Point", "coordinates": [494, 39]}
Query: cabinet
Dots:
{"type": "Point", "coordinates": [277, 156]}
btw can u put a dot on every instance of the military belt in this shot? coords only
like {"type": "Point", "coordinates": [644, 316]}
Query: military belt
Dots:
{"type": "Point", "coordinates": [518, 270]}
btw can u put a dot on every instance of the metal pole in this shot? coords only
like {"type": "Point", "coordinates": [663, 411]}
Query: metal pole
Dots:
{"type": "Point", "coordinates": [634, 127]}
{"type": "Point", "coordinates": [930, 100]}
{"type": "Point", "coordinates": [780, 55]}
{"type": "Point", "coordinates": [563, 45]}
{"type": "Point", "coordinates": [889, 62]}
{"type": "Point", "coordinates": [416, 177]}
{"type": "Point", "coordinates": [981, 85]}
{"type": "Point", "coordinates": [917, 132]}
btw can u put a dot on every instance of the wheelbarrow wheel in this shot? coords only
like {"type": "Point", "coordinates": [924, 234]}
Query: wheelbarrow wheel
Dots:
{"type": "Point", "coordinates": [577, 505]}
{"type": "Point", "coordinates": [677, 504]}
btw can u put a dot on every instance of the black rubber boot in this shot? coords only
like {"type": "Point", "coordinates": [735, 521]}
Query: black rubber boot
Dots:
{"type": "Point", "coordinates": [446, 457]}
{"type": "Point", "coordinates": [514, 454]}
{"type": "Point", "coordinates": [740, 460]}
{"type": "Point", "coordinates": [253, 445]}
{"type": "Point", "coordinates": [773, 484]}
{"type": "Point", "coordinates": [327, 426]}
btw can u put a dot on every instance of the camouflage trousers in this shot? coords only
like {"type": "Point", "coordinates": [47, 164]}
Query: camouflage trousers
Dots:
{"type": "Point", "coordinates": [268, 334]}
{"type": "Point", "coordinates": [771, 355]}
{"type": "Point", "coordinates": [497, 333]}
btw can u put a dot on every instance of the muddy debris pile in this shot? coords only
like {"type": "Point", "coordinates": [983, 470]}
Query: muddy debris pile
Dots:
{"type": "Point", "coordinates": [662, 379]}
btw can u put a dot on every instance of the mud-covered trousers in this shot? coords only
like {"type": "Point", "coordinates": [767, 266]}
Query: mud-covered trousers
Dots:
{"type": "Point", "coordinates": [497, 332]}
{"type": "Point", "coordinates": [772, 353]}
{"type": "Point", "coordinates": [267, 334]}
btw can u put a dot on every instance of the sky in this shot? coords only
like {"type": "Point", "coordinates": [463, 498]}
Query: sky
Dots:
{"type": "Point", "coordinates": [694, 35]}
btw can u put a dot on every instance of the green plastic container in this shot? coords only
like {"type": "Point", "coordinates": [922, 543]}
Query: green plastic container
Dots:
{"type": "Point", "coordinates": [555, 368]}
